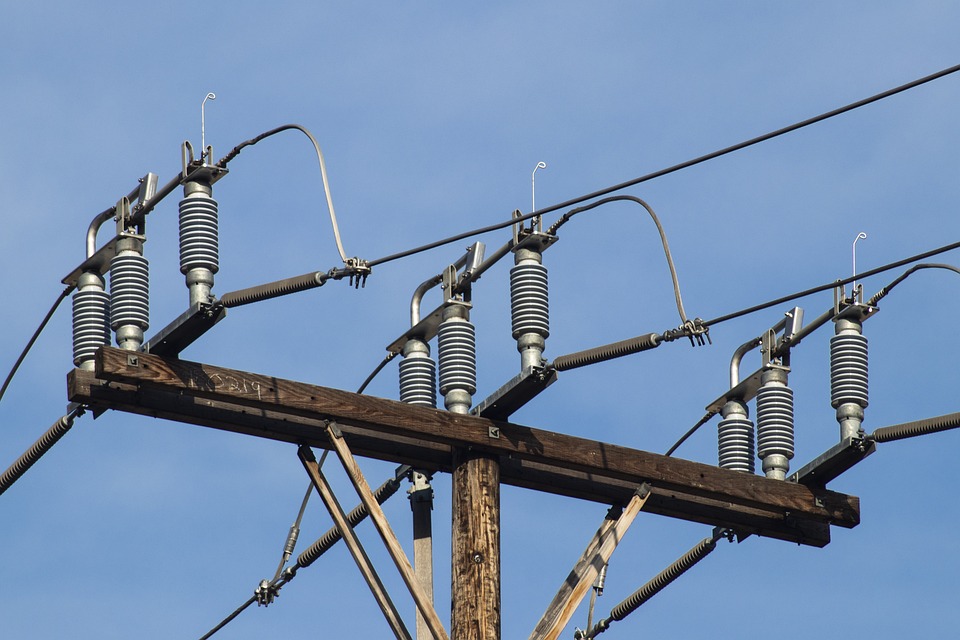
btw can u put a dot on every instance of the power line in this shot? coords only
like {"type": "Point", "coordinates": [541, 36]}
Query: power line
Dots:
{"type": "Point", "coordinates": [677, 167]}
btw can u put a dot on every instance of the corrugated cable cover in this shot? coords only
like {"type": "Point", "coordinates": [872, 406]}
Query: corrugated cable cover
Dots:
{"type": "Point", "coordinates": [607, 352]}
{"type": "Point", "coordinates": [355, 517]}
{"type": "Point", "coordinates": [917, 428]}
{"type": "Point", "coordinates": [274, 289]}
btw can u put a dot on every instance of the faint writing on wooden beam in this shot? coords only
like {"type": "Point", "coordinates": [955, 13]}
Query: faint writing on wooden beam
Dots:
{"type": "Point", "coordinates": [224, 382]}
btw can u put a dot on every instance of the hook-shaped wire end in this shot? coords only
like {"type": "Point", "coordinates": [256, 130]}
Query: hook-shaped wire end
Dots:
{"type": "Point", "coordinates": [533, 193]}
{"type": "Point", "coordinates": [203, 133]}
{"type": "Point", "coordinates": [860, 236]}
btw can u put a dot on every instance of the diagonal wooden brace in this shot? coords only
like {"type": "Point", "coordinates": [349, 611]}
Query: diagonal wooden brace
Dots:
{"type": "Point", "coordinates": [353, 543]}
{"type": "Point", "coordinates": [585, 571]}
{"type": "Point", "coordinates": [390, 541]}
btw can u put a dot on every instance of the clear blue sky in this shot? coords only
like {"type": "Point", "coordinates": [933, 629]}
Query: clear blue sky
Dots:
{"type": "Point", "coordinates": [432, 118]}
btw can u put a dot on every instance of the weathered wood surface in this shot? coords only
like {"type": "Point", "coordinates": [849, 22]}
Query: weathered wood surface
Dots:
{"type": "Point", "coordinates": [353, 544]}
{"type": "Point", "coordinates": [538, 459]}
{"type": "Point", "coordinates": [421, 599]}
{"type": "Point", "coordinates": [475, 548]}
{"type": "Point", "coordinates": [585, 571]}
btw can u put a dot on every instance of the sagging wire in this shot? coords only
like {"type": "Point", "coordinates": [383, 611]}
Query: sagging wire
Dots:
{"type": "Point", "coordinates": [36, 334]}
{"type": "Point", "coordinates": [222, 163]}
{"type": "Point", "coordinates": [656, 220]}
{"type": "Point", "coordinates": [39, 448]}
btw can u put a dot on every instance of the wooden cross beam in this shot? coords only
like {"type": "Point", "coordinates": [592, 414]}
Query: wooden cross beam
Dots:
{"type": "Point", "coordinates": [296, 412]}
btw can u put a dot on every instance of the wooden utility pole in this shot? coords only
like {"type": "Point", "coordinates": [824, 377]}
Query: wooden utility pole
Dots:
{"type": "Point", "coordinates": [479, 452]}
{"type": "Point", "coordinates": [475, 588]}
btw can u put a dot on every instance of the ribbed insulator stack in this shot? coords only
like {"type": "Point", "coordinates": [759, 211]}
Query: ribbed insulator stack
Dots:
{"type": "Point", "coordinates": [91, 319]}
{"type": "Point", "coordinates": [775, 424]}
{"type": "Point", "coordinates": [129, 294]}
{"type": "Point", "coordinates": [457, 351]}
{"type": "Point", "coordinates": [848, 376]}
{"type": "Point", "coordinates": [418, 375]}
{"type": "Point", "coordinates": [735, 438]}
{"type": "Point", "coordinates": [529, 307]}
{"type": "Point", "coordinates": [199, 240]}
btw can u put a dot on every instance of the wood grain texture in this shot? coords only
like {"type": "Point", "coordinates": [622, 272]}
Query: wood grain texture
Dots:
{"type": "Point", "coordinates": [423, 601]}
{"type": "Point", "coordinates": [353, 544]}
{"type": "Point", "coordinates": [475, 548]}
{"type": "Point", "coordinates": [585, 571]}
{"type": "Point", "coordinates": [534, 458]}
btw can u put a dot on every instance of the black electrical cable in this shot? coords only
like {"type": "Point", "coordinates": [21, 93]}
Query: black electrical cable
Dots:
{"type": "Point", "coordinates": [36, 334]}
{"type": "Point", "coordinates": [373, 374]}
{"type": "Point", "coordinates": [668, 170]}
{"type": "Point", "coordinates": [831, 285]}
{"type": "Point", "coordinates": [704, 420]}
{"type": "Point", "coordinates": [878, 296]}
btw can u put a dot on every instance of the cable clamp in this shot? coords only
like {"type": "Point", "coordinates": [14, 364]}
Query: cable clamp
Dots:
{"type": "Point", "coordinates": [695, 330]}
{"type": "Point", "coordinates": [266, 593]}
{"type": "Point", "coordinates": [359, 270]}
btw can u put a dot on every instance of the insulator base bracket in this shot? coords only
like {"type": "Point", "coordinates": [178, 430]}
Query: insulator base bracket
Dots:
{"type": "Point", "coordinates": [520, 390]}
{"type": "Point", "coordinates": [833, 462]}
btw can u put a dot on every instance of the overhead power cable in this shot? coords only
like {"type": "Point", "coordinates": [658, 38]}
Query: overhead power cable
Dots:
{"type": "Point", "coordinates": [50, 437]}
{"type": "Point", "coordinates": [222, 163]}
{"type": "Point", "coordinates": [832, 285]}
{"type": "Point", "coordinates": [674, 168]}
{"type": "Point", "coordinates": [36, 334]}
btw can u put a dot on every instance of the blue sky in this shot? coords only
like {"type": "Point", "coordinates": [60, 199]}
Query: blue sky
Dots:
{"type": "Point", "coordinates": [432, 118]}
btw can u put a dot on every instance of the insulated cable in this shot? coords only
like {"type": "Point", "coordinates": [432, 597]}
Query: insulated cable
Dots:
{"type": "Point", "coordinates": [879, 295]}
{"type": "Point", "coordinates": [672, 169]}
{"type": "Point", "coordinates": [36, 334]}
{"type": "Point", "coordinates": [50, 437]}
{"type": "Point", "coordinates": [831, 285]}
{"type": "Point", "coordinates": [663, 238]}
{"type": "Point", "coordinates": [222, 163]}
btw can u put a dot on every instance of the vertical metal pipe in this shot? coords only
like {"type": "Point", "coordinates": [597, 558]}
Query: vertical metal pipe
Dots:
{"type": "Point", "coordinates": [421, 503]}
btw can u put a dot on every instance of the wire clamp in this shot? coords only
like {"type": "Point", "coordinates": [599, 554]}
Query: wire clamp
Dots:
{"type": "Point", "coordinates": [266, 593]}
{"type": "Point", "coordinates": [358, 270]}
{"type": "Point", "coordinates": [695, 330]}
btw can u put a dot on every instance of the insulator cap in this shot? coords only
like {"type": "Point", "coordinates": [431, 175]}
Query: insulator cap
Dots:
{"type": "Point", "coordinates": [529, 302]}
{"type": "Point", "coordinates": [848, 370]}
{"type": "Point", "coordinates": [91, 323]}
{"type": "Point", "coordinates": [775, 421]}
{"type": "Point", "coordinates": [457, 350]}
{"type": "Point", "coordinates": [199, 233]}
{"type": "Point", "coordinates": [735, 439]}
{"type": "Point", "coordinates": [418, 380]}
{"type": "Point", "coordinates": [129, 291]}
